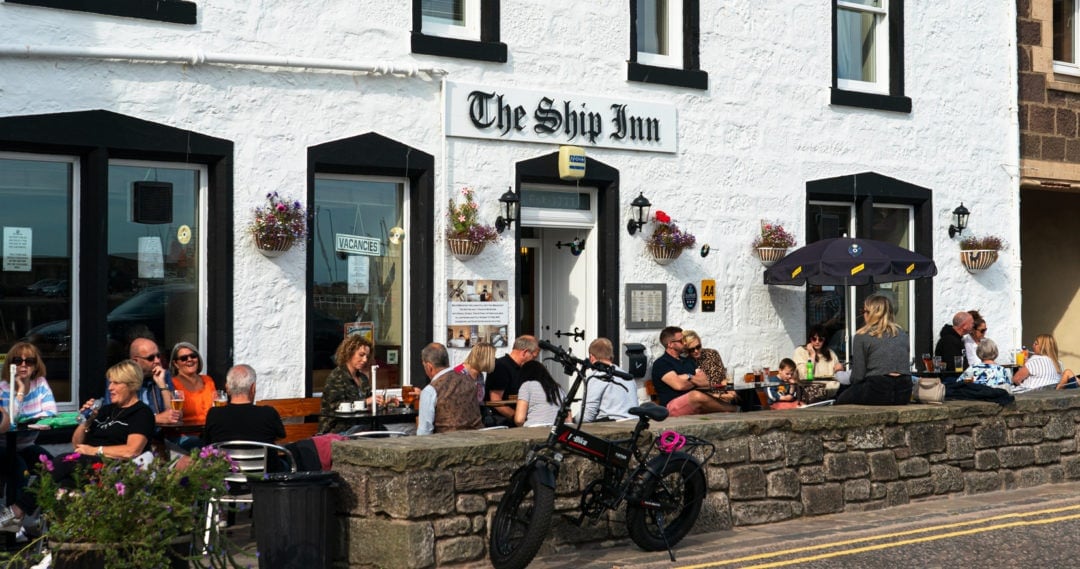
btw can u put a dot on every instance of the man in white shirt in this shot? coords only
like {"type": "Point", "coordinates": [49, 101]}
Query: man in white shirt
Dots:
{"type": "Point", "coordinates": [607, 400]}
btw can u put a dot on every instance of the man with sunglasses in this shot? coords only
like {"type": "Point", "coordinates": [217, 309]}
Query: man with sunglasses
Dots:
{"type": "Point", "coordinates": [680, 384]}
{"type": "Point", "coordinates": [157, 387]}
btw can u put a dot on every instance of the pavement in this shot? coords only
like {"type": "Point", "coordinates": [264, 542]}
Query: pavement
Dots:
{"type": "Point", "coordinates": [740, 541]}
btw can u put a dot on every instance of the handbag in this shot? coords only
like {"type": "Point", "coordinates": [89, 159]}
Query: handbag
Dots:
{"type": "Point", "coordinates": [930, 390]}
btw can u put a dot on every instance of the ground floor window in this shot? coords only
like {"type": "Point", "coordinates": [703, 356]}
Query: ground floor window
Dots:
{"type": "Point", "coordinates": [359, 272]}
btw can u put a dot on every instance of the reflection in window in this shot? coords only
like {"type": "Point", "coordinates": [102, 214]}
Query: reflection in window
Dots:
{"type": "Point", "coordinates": [451, 18]}
{"type": "Point", "coordinates": [36, 270]}
{"type": "Point", "coordinates": [1065, 31]}
{"type": "Point", "coordinates": [658, 31]}
{"type": "Point", "coordinates": [360, 289]}
{"type": "Point", "coordinates": [828, 305]}
{"type": "Point", "coordinates": [892, 224]}
{"type": "Point", "coordinates": [154, 256]}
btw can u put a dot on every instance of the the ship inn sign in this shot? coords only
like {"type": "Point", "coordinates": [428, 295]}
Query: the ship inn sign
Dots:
{"type": "Point", "coordinates": [502, 113]}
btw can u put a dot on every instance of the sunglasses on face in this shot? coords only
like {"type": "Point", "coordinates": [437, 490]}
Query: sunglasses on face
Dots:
{"type": "Point", "coordinates": [187, 358]}
{"type": "Point", "coordinates": [151, 357]}
{"type": "Point", "coordinates": [31, 361]}
{"type": "Point", "coordinates": [696, 348]}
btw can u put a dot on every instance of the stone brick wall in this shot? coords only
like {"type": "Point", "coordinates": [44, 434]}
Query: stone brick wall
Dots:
{"type": "Point", "coordinates": [1048, 103]}
{"type": "Point", "coordinates": [427, 501]}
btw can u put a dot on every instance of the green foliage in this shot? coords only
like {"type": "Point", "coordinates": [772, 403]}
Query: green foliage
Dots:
{"type": "Point", "coordinates": [463, 223]}
{"type": "Point", "coordinates": [773, 235]}
{"type": "Point", "coordinates": [984, 242]}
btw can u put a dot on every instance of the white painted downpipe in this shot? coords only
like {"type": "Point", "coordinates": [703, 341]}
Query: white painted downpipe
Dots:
{"type": "Point", "coordinates": [199, 57]}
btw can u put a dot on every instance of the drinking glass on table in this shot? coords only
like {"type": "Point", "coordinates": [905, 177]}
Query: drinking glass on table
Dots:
{"type": "Point", "coordinates": [958, 363]}
{"type": "Point", "coordinates": [220, 398]}
{"type": "Point", "coordinates": [927, 362]}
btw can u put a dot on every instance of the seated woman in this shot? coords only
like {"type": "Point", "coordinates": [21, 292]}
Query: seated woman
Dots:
{"type": "Point", "coordinates": [987, 372]}
{"type": "Point", "coordinates": [539, 396]}
{"type": "Point", "coordinates": [479, 362]}
{"type": "Point", "coordinates": [826, 362]}
{"type": "Point", "coordinates": [119, 430]}
{"type": "Point", "coordinates": [880, 356]}
{"type": "Point", "coordinates": [33, 399]}
{"type": "Point", "coordinates": [1042, 369]}
{"type": "Point", "coordinates": [347, 382]}
{"type": "Point", "coordinates": [186, 363]}
{"type": "Point", "coordinates": [710, 362]}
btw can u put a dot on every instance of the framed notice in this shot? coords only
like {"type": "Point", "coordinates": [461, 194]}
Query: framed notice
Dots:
{"type": "Point", "coordinates": [646, 305]}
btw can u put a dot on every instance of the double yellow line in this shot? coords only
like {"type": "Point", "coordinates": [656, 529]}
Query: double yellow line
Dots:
{"type": "Point", "coordinates": [881, 537]}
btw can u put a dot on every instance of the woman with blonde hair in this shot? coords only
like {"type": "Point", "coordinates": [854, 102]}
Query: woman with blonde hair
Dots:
{"type": "Point", "coordinates": [479, 363]}
{"type": "Point", "coordinates": [880, 357]}
{"type": "Point", "coordinates": [1042, 369]}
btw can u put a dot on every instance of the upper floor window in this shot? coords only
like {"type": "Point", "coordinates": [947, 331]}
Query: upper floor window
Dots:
{"type": "Point", "coordinates": [1065, 37]}
{"type": "Point", "coordinates": [659, 32]}
{"type": "Point", "coordinates": [452, 18]}
{"type": "Point", "coordinates": [173, 11]}
{"type": "Point", "coordinates": [467, 29]}
{"type": "Point", "coordinates": [664, 43]}
{"type": "Point", "coordinates": [868, 54]}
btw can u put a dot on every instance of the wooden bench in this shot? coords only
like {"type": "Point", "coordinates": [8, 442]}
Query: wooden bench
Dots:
{"type": "Point", "coordinates": [300, 416]}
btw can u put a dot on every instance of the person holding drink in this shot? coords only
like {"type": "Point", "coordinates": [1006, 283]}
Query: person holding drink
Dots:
{"type": "Point", "coordinates": [194, 394]}
{"type": "Point", "coordinates": [156, 391]}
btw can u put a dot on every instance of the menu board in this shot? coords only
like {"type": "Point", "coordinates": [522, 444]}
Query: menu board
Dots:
{"type": "Point", "coordinates": [646, 305]}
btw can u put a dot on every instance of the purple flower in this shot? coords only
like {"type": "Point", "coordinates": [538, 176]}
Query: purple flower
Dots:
{"type": "Point", "coordinates": [44, 459]}
{"type": "Point", "coordinates": [120, 488]}
{"type": "Point", "coordinates": [71, 457]}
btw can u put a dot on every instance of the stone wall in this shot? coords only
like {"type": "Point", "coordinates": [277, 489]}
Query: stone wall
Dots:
{"type": "Point", "coordinates": [426, 501]}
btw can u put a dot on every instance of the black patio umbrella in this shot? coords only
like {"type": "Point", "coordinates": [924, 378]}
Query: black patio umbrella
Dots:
{"type": "Point", "coordinates": [851, 262]}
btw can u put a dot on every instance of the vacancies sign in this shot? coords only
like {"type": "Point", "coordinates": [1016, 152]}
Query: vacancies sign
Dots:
{"type": "Point", "coordinates": [498, 113]}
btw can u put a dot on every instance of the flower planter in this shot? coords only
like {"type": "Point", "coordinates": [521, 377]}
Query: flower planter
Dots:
{"type": "Point", "coordinates": [273, 246]}
{"type": "Point", "coordinates": [978, 260]}
{"type": "Point", "coordinates": [463, 249]}
{"type": "Point", "coordinates": [92, 555]}
{"type": "Point", "coordinates": [770, 255]}
{"type": "Point", "coordinates": [663, 255]}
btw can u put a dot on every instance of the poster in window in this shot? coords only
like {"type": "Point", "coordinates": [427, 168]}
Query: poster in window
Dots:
{"type": "Point", "coordinates": [478, 311]}
{"type": "Point", "coordinates": [18, 245]}
{"type": "Point", "coordinates": [151, 260]}
{"type": "Point", "coordinates": [359, 270]}
{"type": "Point", "coordinates": [365, 329]}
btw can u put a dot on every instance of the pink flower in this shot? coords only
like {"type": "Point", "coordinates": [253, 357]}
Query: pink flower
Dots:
{"type": "Point", "coordinates": [461, 218]}
{"type": "Point", "coordinates": [44, 459]}
{"type": "Point", "coordinates": [71, 457]}
{"type": "Point", "coordinates": [120, 488]}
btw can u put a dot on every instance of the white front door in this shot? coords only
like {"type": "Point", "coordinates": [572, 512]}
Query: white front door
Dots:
{"type": "Point", "coordinates": [562, 274]}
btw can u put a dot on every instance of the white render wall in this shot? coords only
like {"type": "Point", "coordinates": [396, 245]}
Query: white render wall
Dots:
{"type": "Point", "coordinates": [747, 146]}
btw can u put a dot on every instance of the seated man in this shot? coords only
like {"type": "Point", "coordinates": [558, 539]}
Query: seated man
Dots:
{"type": "Point", "coordinates": [241, 419]}
{"type": "Point", "coordinates": [608, 400]}
{"type": "Point", "coordinates": [448, 403]}
{"type": "Point", "coordinates": [503, 382]}
{"type": "Point", "coordinates": [679, 382]}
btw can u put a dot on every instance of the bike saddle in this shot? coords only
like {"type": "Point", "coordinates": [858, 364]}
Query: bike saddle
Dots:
{"type": "Point", "coordinates": [651, 411]}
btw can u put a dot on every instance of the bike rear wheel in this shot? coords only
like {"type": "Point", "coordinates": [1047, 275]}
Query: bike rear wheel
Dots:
{"type": "Point", "coordinates": [679, 489]}
{"type": "Point", "coordinates": [522, 521]}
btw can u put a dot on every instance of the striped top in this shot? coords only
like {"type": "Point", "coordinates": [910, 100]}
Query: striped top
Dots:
{"type": "Point", "coordinates": [1041, 372]}
{"type": "Point", "coordinates": [38, 402]}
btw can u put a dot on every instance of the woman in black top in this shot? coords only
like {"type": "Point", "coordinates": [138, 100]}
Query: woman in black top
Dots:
{"type": "Point", "coordinates": [119, 430]}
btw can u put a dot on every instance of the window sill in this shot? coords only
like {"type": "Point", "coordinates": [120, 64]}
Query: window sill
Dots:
{"type": "Point", "coordinates": [175, 11]}
{"type": "Point", "coordinates": [459, 48]}
{"type": "Point", "coordinates": [690, 78]}
{"type": "Point", "coordinates": [899, 104]}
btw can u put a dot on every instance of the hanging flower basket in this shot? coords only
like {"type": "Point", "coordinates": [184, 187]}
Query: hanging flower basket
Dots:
{"type": "Point", "coordinates": [978, 260]}
{"type": "Point", "coordinates": [273, 246]}
{"type": "Point", "coordinates": [463, 249]}
{"type": "Point", "coordinates": [770, 255]}
{"type": "Point", "coordinates": [663, 255]}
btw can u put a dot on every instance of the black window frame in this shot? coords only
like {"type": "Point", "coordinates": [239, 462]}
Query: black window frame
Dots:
{"type": "Point", "coordinates": [865, 189]}
{"type": "Point", "coordinates": [373, 154]}
{"type": "Point", "coordinates": [97, 137]}
{"type": "Point", "coordinates": [172, 11]}
{"type": "Point", "coordinates": [691, 75]}
{"type": "Point", "coordinates": [488, 48]}
{"type": "Point", "coordinates": [895, 101]}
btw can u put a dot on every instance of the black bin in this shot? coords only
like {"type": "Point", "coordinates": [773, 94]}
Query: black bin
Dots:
{"type": "Point", "coordinates": [293, 519]}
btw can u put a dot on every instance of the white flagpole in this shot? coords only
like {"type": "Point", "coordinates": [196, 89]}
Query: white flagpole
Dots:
{"type": "Point", "coordinates": [374, 401]}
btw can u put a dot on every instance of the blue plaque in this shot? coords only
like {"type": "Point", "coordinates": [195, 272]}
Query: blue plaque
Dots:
{"type": "Point", "coordinates": [689, 296]}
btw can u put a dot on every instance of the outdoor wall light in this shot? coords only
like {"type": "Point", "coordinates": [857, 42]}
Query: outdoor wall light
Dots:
{"type": "Point", "coordinates": [642, 205]}
{"type": "Point", "coordinates": [960, 219]}
{"type": "Point", "coordinates": [512, 204]}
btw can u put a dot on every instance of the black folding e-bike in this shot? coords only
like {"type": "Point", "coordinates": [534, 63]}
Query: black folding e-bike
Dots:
{"type": "Point", "coordinates": [663, 485]}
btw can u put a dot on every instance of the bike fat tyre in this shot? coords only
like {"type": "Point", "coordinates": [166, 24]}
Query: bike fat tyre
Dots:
{"type": "Point", "coordinates": [522, 521]}
{"type": "Point", "coordinates": [680, 487]}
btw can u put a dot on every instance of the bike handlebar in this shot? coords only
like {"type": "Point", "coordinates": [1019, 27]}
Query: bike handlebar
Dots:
{"type": "Point", "coordinates": [570, 363]}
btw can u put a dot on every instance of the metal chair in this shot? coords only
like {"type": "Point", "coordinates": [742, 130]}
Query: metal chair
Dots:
{"type": "Point", "coordinates": [253, 460]}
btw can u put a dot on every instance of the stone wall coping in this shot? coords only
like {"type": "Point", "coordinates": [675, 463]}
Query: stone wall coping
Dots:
{"type": "Point", "coordinates": [448, 450]}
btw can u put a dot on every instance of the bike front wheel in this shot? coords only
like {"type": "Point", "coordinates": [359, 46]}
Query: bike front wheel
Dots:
{"type": "Point", "coordinates": [668, 504]}
{"type": "Point", "coordinates": [522, 521]}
